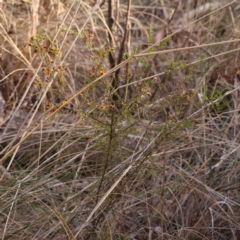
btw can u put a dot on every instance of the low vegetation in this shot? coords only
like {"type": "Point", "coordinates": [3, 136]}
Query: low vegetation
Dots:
{"type": "Point", "coordinates": [119, 119]}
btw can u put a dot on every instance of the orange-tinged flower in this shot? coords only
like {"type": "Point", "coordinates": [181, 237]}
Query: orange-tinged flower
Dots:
{"type": "Point", "coordinates": [48, 71]}
{"type": "Point", "coordinates": [49, 105]}
{"type": "Point", "coordinates": [102, 72]}
{"type": "Point", "coordinates": [91, 35]}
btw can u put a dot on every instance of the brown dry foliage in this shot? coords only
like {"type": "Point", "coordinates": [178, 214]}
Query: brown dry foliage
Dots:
{"type": "Point", "coordinates": [92, 171]}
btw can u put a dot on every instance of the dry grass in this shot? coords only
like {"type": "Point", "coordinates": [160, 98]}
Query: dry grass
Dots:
{"type": "Point", "coordinates": [122, 131]}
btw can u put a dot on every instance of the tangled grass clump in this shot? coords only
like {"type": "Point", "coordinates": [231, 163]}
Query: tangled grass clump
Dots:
{"type": "Point", "coordinates": [119, 120]}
